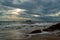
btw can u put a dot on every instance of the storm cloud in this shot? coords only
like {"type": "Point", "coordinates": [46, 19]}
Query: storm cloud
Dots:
{"type": "Point", "coordinates": [46, 9]}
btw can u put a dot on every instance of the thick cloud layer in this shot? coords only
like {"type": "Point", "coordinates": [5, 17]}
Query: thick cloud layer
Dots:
{"type": "Point", "coordinates": [41, 10]}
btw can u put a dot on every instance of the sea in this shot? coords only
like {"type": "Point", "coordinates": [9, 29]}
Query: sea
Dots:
{"type": "Point", "coordinates": [17, 30]}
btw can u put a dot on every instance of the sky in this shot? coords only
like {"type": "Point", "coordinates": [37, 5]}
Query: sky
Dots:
{"type": "Point", "coordinates": [36, 10]}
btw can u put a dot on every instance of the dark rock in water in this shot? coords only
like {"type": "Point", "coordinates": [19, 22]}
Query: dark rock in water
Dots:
{"type": "Point", "coordinates": [35, 31]}
{"type": "Point", "coordinates": [53, 27]}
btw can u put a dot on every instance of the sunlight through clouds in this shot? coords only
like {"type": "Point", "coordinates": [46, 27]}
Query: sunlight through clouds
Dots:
{"type": "Point", "coordinates": [55, 14]}
{"type": "Point", "coordinates": [35, 15]}
{"type": "Point", "coordinates": [30, 9]}
{"type": "Point", "coordinates": [13, 17]}
{"type": "Point", "coordinates": [12, 14]}
{"type": "Point", "coordinates": [16, 11]}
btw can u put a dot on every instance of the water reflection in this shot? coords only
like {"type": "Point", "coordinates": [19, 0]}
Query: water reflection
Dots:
{"type": "Point", "coordinates": [13, 34]}
{"type": "Point", "coordinates": [19, 31]}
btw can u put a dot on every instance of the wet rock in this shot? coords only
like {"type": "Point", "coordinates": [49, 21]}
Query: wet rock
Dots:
{"type": "Point", "coordinates": [35, 31]}
{"type": "Point", "coordinates": [53, 27]}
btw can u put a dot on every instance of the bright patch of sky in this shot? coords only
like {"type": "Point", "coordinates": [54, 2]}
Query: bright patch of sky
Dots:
{"type": "Point", "coordinates": [30, 9]}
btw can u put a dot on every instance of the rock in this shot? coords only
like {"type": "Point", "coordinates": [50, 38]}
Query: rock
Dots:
{"type": "Point", "coordinates": [35, 31]}
{"type": "Point", "coordinates": [53, 27]}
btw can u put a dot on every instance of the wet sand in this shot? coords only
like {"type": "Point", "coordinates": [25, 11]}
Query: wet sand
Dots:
{"type": "Point", "coordinates": [33, 37]}
{"type": "Point", "coordinates": [37, 37]}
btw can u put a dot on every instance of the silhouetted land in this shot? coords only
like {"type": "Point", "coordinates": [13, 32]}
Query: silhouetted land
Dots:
{"type": "Point", "coordinates": [53, 27]}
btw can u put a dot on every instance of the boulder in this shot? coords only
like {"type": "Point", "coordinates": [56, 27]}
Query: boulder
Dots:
{"type": "Point", "coordinates": [53, 27]}
{"type": "Point", "coordinates": [35, 31]}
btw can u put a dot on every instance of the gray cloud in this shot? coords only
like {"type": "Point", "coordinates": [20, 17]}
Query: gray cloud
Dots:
{"type": "Point", "coordinates": [39, 7]}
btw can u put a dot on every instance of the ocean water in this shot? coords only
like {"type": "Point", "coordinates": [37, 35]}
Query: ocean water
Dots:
{"type": "Point", "coordinates": [20, 31]}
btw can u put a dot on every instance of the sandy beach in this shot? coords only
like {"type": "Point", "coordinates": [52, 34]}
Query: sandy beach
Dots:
{"type": "Point", "coordinates": [38, 37]}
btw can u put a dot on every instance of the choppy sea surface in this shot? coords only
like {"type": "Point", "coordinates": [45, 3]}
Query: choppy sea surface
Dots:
{"type": "Point", "coordinates": [20, 31]}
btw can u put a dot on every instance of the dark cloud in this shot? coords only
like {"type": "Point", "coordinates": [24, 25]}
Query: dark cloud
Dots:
{"type": "Point", "coordinates": [40, 7]}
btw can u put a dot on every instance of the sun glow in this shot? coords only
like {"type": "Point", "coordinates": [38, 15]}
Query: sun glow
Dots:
{"type": "Point", "coordinates": [36, 15]}
{"type": "Point", "coordinates": [16, 11]}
